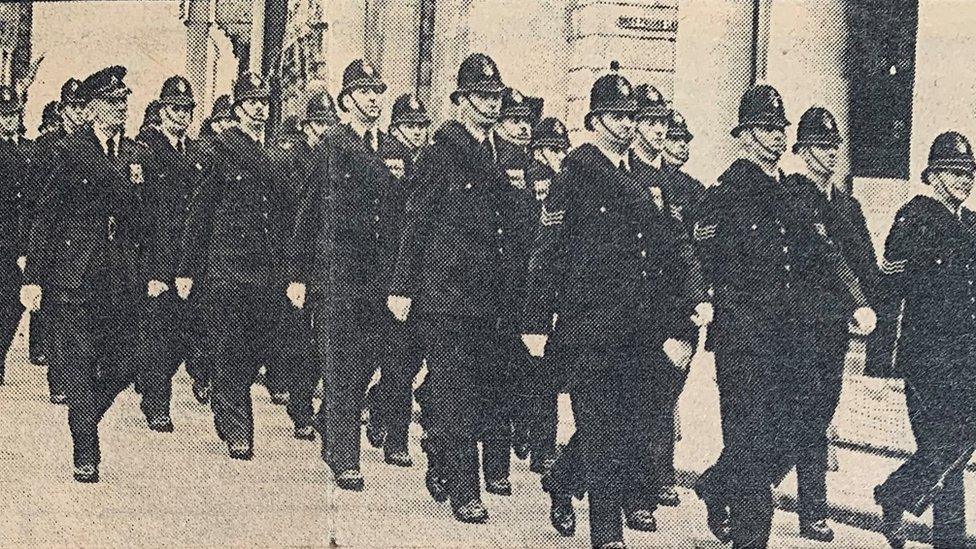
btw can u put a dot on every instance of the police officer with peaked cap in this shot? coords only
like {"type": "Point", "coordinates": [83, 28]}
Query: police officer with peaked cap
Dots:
{"type": "Point", "coordinates": [229, 250]}
{"type": "Point", "coordinates": [755, 245]}
{"type": "Point", "coordinates": [587, 253]}
{"type": "Point", "coordinates": [930, 265]}
{"type": "Point", "coordinates": [173, 169]}
{"type": "Point", "coordinates": [338, 260]}
{"type": "Point", "coordinates": [86, 257]}
{"type": "Point", "coordinates": [391, 398]}
{"type": "Point", "coordinates": [458, 215]}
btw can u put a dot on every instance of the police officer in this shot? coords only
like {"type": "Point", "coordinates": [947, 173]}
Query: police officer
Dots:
{"type": "Point", "coordinates": [295, 367]}
{"type": "Point", "coordinates": [586, 268]}
{"type": "Point", "coordinates": [172, 169]}
{"type": "Point", "coordinates": [338, 259]}
{"type": "Point", "coordinates": [228, 246]}
{"type": "Point", "coordinates": [456, 217]}
{"type": "Point", "coordinates": [752, 241]}
{"type": "Point", "coordinates": [73, 113]}
{"type": "Point", "coordinates": [391, 398]}
{"type": "Point", "coordinates": [824, 328]}
{"type": "Point", "coordinates": [221, 118]}
{"type": "Point", "coordinates": [549, 147]}
{"type": "Point", "coordinates": [15, 157]}
{"type": "Point", "coordinates": [85, 253]}
{"type": "Point", "coordinates": [151, 121]}
{"type": "Point", "coordinates": [930, 264]}
{"type": "Point", "coordinates": [50, 119]}
{"type": "Point", "coordinates": [684, 192]}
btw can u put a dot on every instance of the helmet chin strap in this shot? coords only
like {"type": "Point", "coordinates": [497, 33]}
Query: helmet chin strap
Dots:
{"type": "Point", "coordinates": [615, 135]}
{"type": "Point", "coordinates": [823, 167]}
{"type": "Point", "coordinates": [762, 145]}
{"type": "Point", "coordinates": [647, 142]}
{"type": "Point", "coordinates": [484, 114]}
{"type": "Point", "coordinates": [403, 137]}
{"type": "Point", "coordinates": [360, 109]}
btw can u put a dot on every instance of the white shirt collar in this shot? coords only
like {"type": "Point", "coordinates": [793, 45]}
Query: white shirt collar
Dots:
{"type": "Point", "coordinates": [256, 136]}
{"type": "Point", "coordinates": [615, 157]}
{"type": "Point", "coordinates": [103, 139]}
{"type": "Point", "coordinates": [654, 162]}
{"type": "Point", "coordinates": [173, 139]}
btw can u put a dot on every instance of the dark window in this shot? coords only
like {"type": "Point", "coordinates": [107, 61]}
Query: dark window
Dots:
{"type": "Point", "coordinates": [882, 64]}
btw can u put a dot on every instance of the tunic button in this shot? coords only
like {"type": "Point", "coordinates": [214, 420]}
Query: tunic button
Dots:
{"type": "Point", "coordinates": [938, 262]}
{"type": "Point", "coordinates": [500, 231]}
{"type": "Point", "coordinates": [501, 250]}
{"type": "Point", "coordinates": [468, 186]}
{"type": "Point", "coordinates": [603, 209]}
{"type": "Point", "coordinates": [643, 253]}
{"type": "Point", "coordinates": [264, 215]}
{"type": "Point", "coordinates": [754, 227]}
{"type": "Point", "coordinates": [970, 282]}
{"type": "Point", "coordinates": [644, 273]}
{"type": "Point", "coordinates": [787, 267]}
{"type": "Point", "coordinates": [972, 300]}
{"type": "Point", "coordinates": [264, 198]}
{"type": "Point", "coordinates": [786, 249]}
{"type": "Point", "coordinates": [640, 235]}
{"type": "Point", "coordinates": [782, 230]}
{"type": "Point", "coordinates": [376, 201]}
{"type": "Point", "coordinates": [238, 178]}
{"type": "Point", "coordinates": [376, 218]}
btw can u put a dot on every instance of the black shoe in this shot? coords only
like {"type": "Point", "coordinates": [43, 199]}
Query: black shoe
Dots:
{"type": "Point", "coordinates": [243, 452]}
{"type": "Point", "coordinates": [201, 392]}
{"type": "Point", "coordinates": [641, 520]}
{"type": "Point", "coordinates": [400, 458]}
{"type": "Point", "coordinates": [350, 479]}
{"type": "Point", "coordinates": [305, 433]}
{"type": "Point", "coordinates": [891, 515]}
{"type": "Point", "coordinates": [817, 530]}
{"type": "Point", "coordinates": [279, 399]}
{"type": "Point", "coordinates": [613, 545]}
{"type": "Point", "coordinates": [472, 512]}
{"type": "Point", "coordinates": [160, 424]}
{"type": "Point", "coordinates": [436, 485]}
{"type": "Point", "coordinates": [521, 449]}
{"type": "Point", "coordinates": [668, 497]}
{"type": "Point", "coordinates": [499, 487]}
{"type": "Point", "coordinates": [59, 399]}
{"type": "Point", "coordinates": [376, 435]}
{"type": "Point", "coordinates": [718, 515]}
{"type": "Point", "coordinates": [86, 473]}
{"type": "Point", "coordinates": [562, 515]}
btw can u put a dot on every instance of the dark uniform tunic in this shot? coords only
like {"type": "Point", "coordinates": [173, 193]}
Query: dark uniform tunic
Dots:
{"type": "Point", "coordinates": [586, 267]}
{"type": "Point", "coordinates": [337, 251]}
{"type": "Point", "coordinates": [229, 248]}
{"type": "Point", "coordinates": [684, 194]}
{"type": "Point", "coordinates": [171, 175]}
{"type": "Point", "coordinates": [15, 165]}
{"type": "Point", "coordinates": [930, 263]}
{"type": "Point", "coordinates": [451, 263]}
{"type": "Point", "coordinates": [754, 243]}
{"type": "Point", "coordinates": [84, 251]}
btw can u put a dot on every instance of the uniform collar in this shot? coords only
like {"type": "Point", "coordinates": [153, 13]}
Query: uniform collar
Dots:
{"type": "Point", "coordinates": [257, 137]}
{"type": "Point", "coordinates": [360, 130]}
{"type": "Point", "coordinates": [104, 138]}
{"type": "Point", "coordinates": [641, 154]}
{"type": "Point", "coordinates": [477, 133]}
{"type": "Point", "coordinates": [614, 157]}
{"type": "Point", "coordinates": [173, 139]}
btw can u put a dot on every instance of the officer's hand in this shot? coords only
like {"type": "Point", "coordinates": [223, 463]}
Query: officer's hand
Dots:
{"type": "Point", "coordinates": [399, 306]}
{"type": "Point", "coordinates": [30, 297]}
{"type": "Point", "coordinates": [296, 294]}
{"type": "Point", "coordinates": [679, 353]}
{"type": "Point", "coordinates": [864, 321]}
{"type": "Point", "coordinates": [704, 313]}
{"type": "Point", "coordinates": [183, 287]}
{"type": "Point", "coordinates": [22, 263]}
{"type": "Point", "coordinates": [535, 343]}
{"type": "Point", "coordinates": [155, 288]}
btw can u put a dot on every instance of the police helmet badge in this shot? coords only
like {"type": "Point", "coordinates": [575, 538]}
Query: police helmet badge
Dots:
{"type": "Point", "coordinates": [487, 69]}
{"type": "Point", "coordinates": [827, 122]}
{"type": "Point", "coordinates": [962, 147]}
{"type": "Point", "coordinates": [135, 174]}
{"type": "Point", "coordinates": [558, 128]}
{"type": "Point", "coordinates": [517, 96]}
{"type": "Point", "coordinates": [367, 69]}
{"type": "Point", "coordinates": [180, 86]}
{"type": "Point", "coordinates": [678, 119]}
{"type": "Point", "coordinates": [653, 95]}
{"type": "Point", "coordinates": [774, 101]}
{"type": "Point", "coordinates": [623, 87]}
{"type": "Point", "coordinates": [414, 104]}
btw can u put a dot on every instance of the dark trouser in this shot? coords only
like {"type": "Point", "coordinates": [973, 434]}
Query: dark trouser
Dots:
{"type": "Point", "coordinates": [536, 406]}
{"type": "Point", "coordinates": [943, 420]}
{"type": "Point", "coordinates": [239, 325]}
{"type": "Point", "coordinates": [293, 368]}
{"type": "Point", "coordinates": [195, 338]}
{"type": "Point", "coordinates": [391, 404]}
{"type": "Point", "coordinates": [461, 397]}
{"type": "Point", "coordinates": [757, 406]}
{"type": "Point", "coordinates": [95, 340]}
{"type": "Point", "coordinates": [39, 343]}
{"type": "Point", "coordinates": [669, 386]}
{"type": "Point", "coordinates": [347, 354]}
{"type": "Point", "coordinates": [496, 438]}
{"type": "Point", "coordinates": [161, 349]}
{"type": "Point", "coordinates": [598, 456]}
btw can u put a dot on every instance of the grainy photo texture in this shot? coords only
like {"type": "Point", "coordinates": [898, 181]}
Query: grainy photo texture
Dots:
{"type": "Point", "coordinates": [488, 273]}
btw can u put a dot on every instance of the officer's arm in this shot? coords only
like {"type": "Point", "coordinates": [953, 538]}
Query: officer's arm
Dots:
{"type": "Point", "coordinates": [709, 231]}
{"type": "Point", "coordinates": [198, 229]}
{"type": "Point", "coordinates": [869, 267]}
{"type": "Point", "coordinates": [422, 207]}
{"type": "Point", "coordinates": [686, 269]}
{"type": "Point", "coordinates": [310, 221]}
{"type": "Point", "coordinates": [548, 263]}
{"type": "Point", "coordinates": [49, 203]}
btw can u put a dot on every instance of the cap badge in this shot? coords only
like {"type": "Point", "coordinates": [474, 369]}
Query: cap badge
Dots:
{"type": "Point", "coordinates": [488, 70]}
{"type": "Point", "coordinates": [827, 122]}
{"type": "Point", "coordinates": [962, 147]}
{"type": "Point", "coordinates": [775, 102]}
{"type": "Point", "coordinates": [516, 96]}
{"type": "Point", "coordinates": [367, 70]}
{"type": "Point", "coordinates": [414, 104]}
{"type": "Point", "coordinates": [678, 119]}
{"type": "Point", "coordinates": [623, 87]}
{"type": "Point", "coordinates": [180, 86]}
{"type": "Point", "coordinates": [558, 128]}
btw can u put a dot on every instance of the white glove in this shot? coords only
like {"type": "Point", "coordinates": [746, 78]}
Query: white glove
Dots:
{"type": "Point", "coordinates": [296, 294]}
{"type": "Point", "coordinates": [155, 288]}
{"type": "Point", "coordinates": [704, 313]}
{"type": "Point", "coordinates": [399, 306]}
{"type": "Point", "coordinates": [30, 297]}
{"type": "Point", "coordinates": [863, 322]}
{"type": "Point", "coordinates": [22, 263]}
{"type": "Point", "coordinates": [535, 343]}
{"type": "Point", "coordinates": [183, 287]}
{"type": "Point", "coordinates": [679, 353]}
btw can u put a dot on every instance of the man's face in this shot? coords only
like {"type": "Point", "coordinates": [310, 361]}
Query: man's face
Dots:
{"type": "Point", "coordinates": [551, 157]}
{"type": "Point", "coordinates": [110, 111]}
{"type": "Point", "coordinates": [74, 115]}
{"type": "Point", "coordinates": [956, 184]}
{"type": "Point", "coordinates": [619, 127]}
{"type": "Point", "coordinates": [365, 104]}
{"type": "Point", "coordinates": [221, 124]}
{"type": "Point", "coordinates": [9, 123]}
{"type": "Point", "coordinates": [826, 159]}
{"type": "Point", "coordinates": [677, 151]}
{"type": "Point", "coordinates": [176, 118]}
{"type": "Point", "coordinates": [652, 132]}
{"type": "Point", "coordinates": [486, 106]}
{"type": "Point", "coordinates": [516, 129]}
{"type": "Point", "coordinates": [769, 142]}
{"type": "Point", "coordinates": [415, 134]}
{"type": "Point", "coordinates": [255, 109]}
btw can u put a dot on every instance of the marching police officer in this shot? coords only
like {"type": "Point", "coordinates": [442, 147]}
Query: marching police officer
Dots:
{"type": "Point", "coordinates": [824, 330]}
{"type": "Point", "coordinates": [50, 119]}
{"type": "Point", "coordinates": [172, 169]}
{"type": "Point", "coordinates": [337, 257]}
{"type": "Point", "coordinates": [295, 367]}
{"type": "Point", "coordinates": [391, 398]}
{"type": "Point", "coordinates": [450, 272]}
{"type": "Point", "coordinates": [684, 192]}
{"type": "Point", "coordinates": [587, 253]}
{"type": "Point", "coordinates": [229, 248]}
{"type": "Point", "coordinates": [85, 253]}
{"type": "Point", "coordinates": [930, 263]}
{"type": "Point", "coordinates": [754, 243]}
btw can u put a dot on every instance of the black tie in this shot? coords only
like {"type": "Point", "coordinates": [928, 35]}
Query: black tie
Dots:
{"type": "Point", "coordinates": [368, 140]}
{"type": "Point", "coordinates": [180, 147]}
{"type": "Point", "coordinates": [623, 166]}
{"type": "Point", "coordinates": [110, 147]}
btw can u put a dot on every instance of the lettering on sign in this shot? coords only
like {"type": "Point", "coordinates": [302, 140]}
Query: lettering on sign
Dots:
{"type": "Point", "coordinates": [647, 24]}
